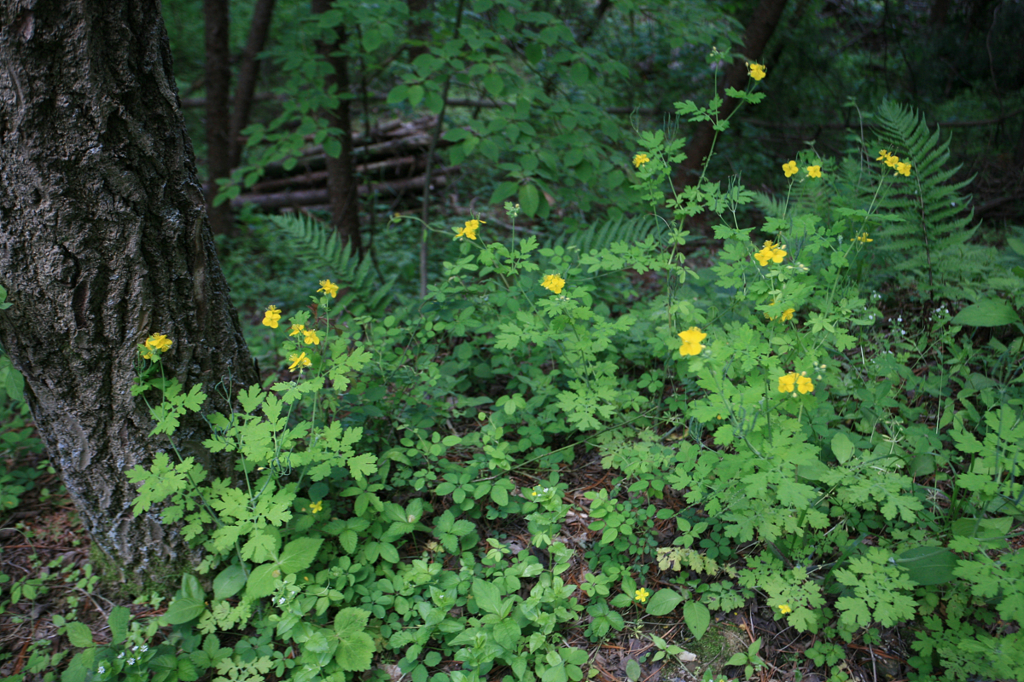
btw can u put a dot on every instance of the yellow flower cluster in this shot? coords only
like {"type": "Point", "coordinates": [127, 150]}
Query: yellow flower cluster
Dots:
{"type": "Point", "coordinates": [893, 161]}
{"type": "Point", "coordinates": [272, 317]}
{"type": "Point", "coordinates": [156, 344]}
{"type": "Point", "coordinates": [787, 314]}
{"type": "Point", "coordinates": [770, 252]}
{"type": "Point", "coordinates": [640, 159]}
{"type": "Point", "coordinates": [553, 283]}
{"type": "Point", "coordinates": [862, 238]}
{"type": "Point", "coordinates": [784, 609]}
{"type": "Point", "coordinates": [309, 336]}
{"type": "Point", "coordinates": [328, 288]}
{"type": "Point", "coordinates": [795, 382]}
{"type": "Point", "coordinates": [301, 361]}
{"type": "Point", "coordinates": [756, 71]}
{"type": "Point", "coordinates": [691, 339]}
{"type": "Point", "coordinates": [469, 231]}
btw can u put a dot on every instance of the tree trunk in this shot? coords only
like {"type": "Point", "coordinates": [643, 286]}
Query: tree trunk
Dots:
{"type": "Point", "coordinates": [248, 73]}
{"type": "Point", "coordinates": [104, 241]}
{"type": "Point", "coordinates": [755, 37]}
{"type": "Point", "coordinates": [218, 119]}
{"type": "Point", "coordinates": [341, 182]}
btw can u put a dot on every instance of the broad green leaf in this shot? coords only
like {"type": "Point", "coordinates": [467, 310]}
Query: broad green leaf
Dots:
{"type": "Point", "coordinates": [355, 647]}
{"type": "Point", "coordinates": [698, 618]}
{"type": "Point", "coordinates": [633, 671]}
{"type": "Point", "coordinates": [228, 582]}
{"type": "Point", "coordinates": [79, 635]}
{"type": "Point", "coordinates": [415, 94]}
{"type": "Point", "coordinates": [507, 634]}
{"type": "Point", "coordinates": [494, 84]}
{"type": "Point", "coordinates": [842, 447]}
{"type": "Point", "coordinates": [118, 622]}
{"type": "Point", "coordinates": [297, 555]}
{"type": "Point", "coordinates": [663, 602]}
{"type": "Point", "coordinates": [487, 596]}
{"type": "Point", "coordinates": [261, 580]}
{"type": "Point", "coordinates": [928, 565]}
{"type": "Point", "coordinates": [990, 312]}
{"type": "Point", "coordinates": [188, 604]}
{"type": "Point", "coordinates": [529, 199]}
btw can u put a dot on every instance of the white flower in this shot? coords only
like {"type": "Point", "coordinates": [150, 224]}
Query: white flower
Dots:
{"type": "Point", "coordinates": [101, 670]}
{"type": "Point", "coordinates": [135, 648]}
{"type": "Point", "coordinates": [131, 661]}
{"type": "Point", "coordinates": [121, 655]}
{"type": "Point", "coordinates": [145, 648]}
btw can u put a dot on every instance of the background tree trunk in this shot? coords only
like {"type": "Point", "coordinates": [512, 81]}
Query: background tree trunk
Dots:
{"type": "Point", "coordinates": [759, 30]}
{"type": "Point", "coordinates": [218, 118]}
{"type": "Point", "coordinates": [248, 73]}
{"type": "Point", "coordinates": [342, 187]}
{"type": "Point", "coordinates": [104, 241]}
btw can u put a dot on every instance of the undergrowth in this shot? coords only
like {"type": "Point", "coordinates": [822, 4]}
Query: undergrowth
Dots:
{"type": "Point", "coordinates": [407, 484]}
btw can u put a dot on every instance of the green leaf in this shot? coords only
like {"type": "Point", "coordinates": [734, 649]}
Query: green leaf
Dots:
{"type": "Point", "coordinates": [494, 84]}
{"type": "Point", "coordinates": [842, 447]}
{"type": "Point", "coordinates": [633, 671]}
{"type": "Point", "coordinates": [188, 604]}
{"type": "Point", "coordinates": [928, 565]}
{"type": "Point", "coordinates": [698, 618]}
{"type": "Point", "coordinates": [737, 659]}
{"type": "Point", "coordinates": [529, 199]}
{"type": "Point", "coordinates": [415, 94]}
{"type": "Point", "coordinates": [261, 580]}
{"type": "Point", "coordinates": [361, 466]}
{"type": "Point", "coordinates": [507, 634]}
{"type": "Point", "coordinates": [118, 622]}
{"type": "Point", "coordinates": [487, 596]}
{"type": "Point", "coordinates": [990, 312]}
{"type": "Point", "coordinates": [663, 602]}
{"type": "Point", "coordinates": [228, 582]}
{"type": "Point", "coordinates": [79, 635]}
{"type": "Point", "coordinates": [297, 555]}
{"type": "Point", "coordinates": [355, 647]}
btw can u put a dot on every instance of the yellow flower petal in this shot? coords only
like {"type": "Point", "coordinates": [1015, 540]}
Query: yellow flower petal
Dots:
{"type": "Point", "coordinates": [553, 283]}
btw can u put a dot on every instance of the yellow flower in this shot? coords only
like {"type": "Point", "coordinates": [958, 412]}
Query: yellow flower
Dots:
{"type": "Point", "coordinates": [862, 238]}
{"type": "Point", "coordinates": [814, 171]}
{"type": "Point", "coordinates": [790, 168]}
{"type": "Point", "coordinates": [756, 71]}
{"type": "Point", "coordinates": [156, 343]}
{"type": "Point", "coordinates": [787, 314]}
{"type": "Point", "coordinates": [642, 595]}
{"type": "Point", "coordinates": [784, 609]}
{"type": "Point", "coordinates": [892, 161]}
{"type": "Point", "coordinates": [316, 507]}
{"type": "Point", "coordinates": [553, 283]}
{"type": "Point", "coordinates": [640, 159]}
{"type": "Point", "coordinates": [787, 383]}
{"type": "Point", "coordinates": [903, 168]}
{"type": "Point", "coordinates": [770, 252]}
{"type": "Point", "coordinates": [299, 360]}
{"type": "Point", "coordinates": [804, 384]}
{"type": "Point", "coordinates": [297, 329]}
{"type": "Point", "coordinates": [271, 317]}
{"type": "Point", "coordinates": [691, 338]}
{"type": "Point", "coordinates": [328, 288]}
{"type": "Point", "coordinates": [310, 337]}
{"type": "Point", "coordinates": [469, 231]}
{"type": "Point", "coordinates": [882, 155]}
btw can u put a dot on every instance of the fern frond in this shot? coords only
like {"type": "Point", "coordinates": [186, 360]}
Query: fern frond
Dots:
{"type": "Point", "coordinates": [622, 229]}
{"type": "Point", "coordinates": [936, 216]}
{"type": "Point", "coordinates": [322, 248]}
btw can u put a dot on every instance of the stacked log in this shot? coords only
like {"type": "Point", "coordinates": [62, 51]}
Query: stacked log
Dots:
{"type": "Point", "coordinates": [391, 162]}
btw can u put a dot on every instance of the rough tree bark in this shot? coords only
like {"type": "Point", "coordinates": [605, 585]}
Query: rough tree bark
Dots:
{"type": "Point", "coordinates": [248, 73]}
{"type": "Point", "coordinates": [341, 180]}
{"type": "Point", "coordinates": [759, 29]}
{"type": "Point", "coordinates": [104, 240]}
{"type": "Point", "coordinates": [218, 117]}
